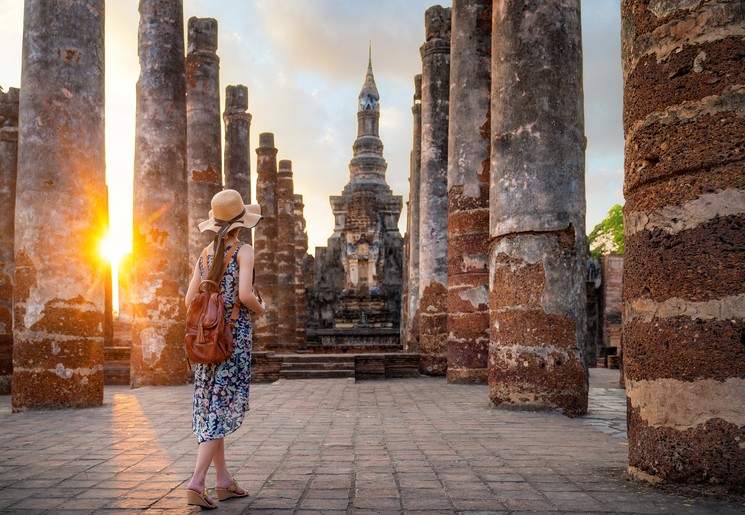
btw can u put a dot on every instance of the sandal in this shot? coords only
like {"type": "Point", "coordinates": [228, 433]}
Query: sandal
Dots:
{"type": "Point", "coordinates": [196, 499]}
{"type": "Point", "coordinates": [227, 493]}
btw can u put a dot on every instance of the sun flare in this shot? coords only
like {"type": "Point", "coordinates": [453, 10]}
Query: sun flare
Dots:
{"type": "Point", "coordinates": [113, 248]}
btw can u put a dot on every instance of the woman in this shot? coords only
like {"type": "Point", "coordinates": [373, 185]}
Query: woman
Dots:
{"type": "Point", "coordinates": [221, 390]}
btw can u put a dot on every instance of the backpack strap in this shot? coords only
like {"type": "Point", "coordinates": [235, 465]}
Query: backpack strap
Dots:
{"type": "Point", "coordinates": [203, 259]}
{"type": "Point", "coordinates": [237, 305]}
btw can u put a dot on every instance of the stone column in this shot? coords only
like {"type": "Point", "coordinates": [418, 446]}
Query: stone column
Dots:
{"type": "Point", "coordinates": [469, 147]}
{"type": "Point", "coordinates": [203, 136]}
{"type": "Point", "coordinates": [160, 254]}
{"type": "Point", "coordinates": [537, 208]}
{"type": "Point", "coordinates": [8, 171]}
{"type": "Point", "coordinates": [433, 201]}
{"type": "Point", "coordinates": [411, 329]}
{"type": "Point", "coordinates": [265, 242]}
{"type": "Point", "coordinates": [301, 251]}
{"type": "Point", "coordinates": [237, 141]}
{"type": "Point", "coordinates": [684, 263]}
{"type": "Point", "coordinates": [60, 212]}
{"type": "Point", "coordinates": [286, 256]}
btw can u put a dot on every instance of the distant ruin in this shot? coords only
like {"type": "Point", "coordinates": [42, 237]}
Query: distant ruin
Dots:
{"type": "Point", "coordinates": [355, 302]}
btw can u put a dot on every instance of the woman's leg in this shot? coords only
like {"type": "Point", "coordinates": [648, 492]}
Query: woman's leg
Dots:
{"type": "Point", "coordinates": [223, 477]}
{"type": "Point", "coordinates": [205, 455]}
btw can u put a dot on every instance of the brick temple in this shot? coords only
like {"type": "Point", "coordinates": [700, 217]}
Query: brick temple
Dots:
{"type": "Point", "coordinates": [355, 303]}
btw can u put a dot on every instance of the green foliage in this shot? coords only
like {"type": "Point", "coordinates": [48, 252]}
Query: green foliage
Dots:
{"type": "Point", "coordinates": [607, 236]}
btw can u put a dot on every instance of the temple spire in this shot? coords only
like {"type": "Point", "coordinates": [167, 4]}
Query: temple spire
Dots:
{"type": "Point", "coordinates": [369, 96]}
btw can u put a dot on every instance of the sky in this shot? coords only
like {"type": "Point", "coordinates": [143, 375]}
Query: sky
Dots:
{"type": "Point", "coordinates": [304, 63]}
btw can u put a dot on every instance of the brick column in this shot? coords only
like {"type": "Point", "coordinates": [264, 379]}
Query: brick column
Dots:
{"type": "Point", "coordinates": [433, 202]}
{"type": "Point", "coordinates": [684, 263]}
{"type": "Point", "coordinates": [203, 136]}
{"type": "Point", "coordinates": [286, 257]}
{"type": "Point", "coordinates": [160, 244]}
{"type": "Point", "coordinates": [237, 144]}
{"type": "Point", "coordinates": [265, 242]}
{"type": "Point", "coordinates": [8, 172]}
{"type": "Point", "coordinates": [537, 208]}
{"type": "Point", "coordinates": [60, 211]}
{"type": "Point", "coordinates": [411, 320]}
{"type": "Point", "coordinates": [301, 251]}
{"type": "Point", "coordinates": [468, 192]}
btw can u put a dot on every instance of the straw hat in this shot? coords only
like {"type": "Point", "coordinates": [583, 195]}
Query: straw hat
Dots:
{"type": "Point", "coordinates": [228, 212]}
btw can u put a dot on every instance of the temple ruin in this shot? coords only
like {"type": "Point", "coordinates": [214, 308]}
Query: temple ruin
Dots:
{"type": "Point", "coordinates": [160, 245]}
{"type": "Point", "coordinates": [432, 310]}
{"type": "Point", "coordinates": [58, 281]}
{"type": "Point", "coordinates": [684, 268]}
{"type": "Point", "coordinates": [203, 137]}
{"type": "Point", "coordinates": [355, 302]}
{"type": "Point", "coordinates": [493, 284]}
{"type": "Point", "coordinates": [8, 173]}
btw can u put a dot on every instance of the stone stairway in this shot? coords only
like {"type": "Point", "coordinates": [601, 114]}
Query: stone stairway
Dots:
{"type": "Point", "coordinates": [116, 355]}
{"type": "Point", "coordinates": [316, 366]}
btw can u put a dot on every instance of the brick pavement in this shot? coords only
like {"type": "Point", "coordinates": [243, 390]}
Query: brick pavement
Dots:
{"type": "Point", "coordinates": [332, 446]}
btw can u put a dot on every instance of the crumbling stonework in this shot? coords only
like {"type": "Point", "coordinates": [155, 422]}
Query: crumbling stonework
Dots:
{"type": "Point", "coordinates": [411, 285]}
{"type": "Point", "coordinates": [286, 317]}
{"type": "Point", "coordinates": [433, 200]}
{"type": "Point", "coordinates": [203, 136]}
{"type": "Point", "coordinates": [303, 267]}
{"type": "Point", "coordinates": [8, 171]}
{"type": "Point", "coordinates": [265, 330]}
{"type": "Point", "coordinates": [160, 243]}
{"type": "Point", "coordinates": [237, 144]}
{"type": "Point", "coordinates": [356, 299]}
{"type": "Point", "coordinates": [684, 263]}
{"type": "Point", "coordinates": [537, 208]}
{"type": "Point", "coordinates": [60, 210]}
{"type": "Point", "coordinates": [468, 192]}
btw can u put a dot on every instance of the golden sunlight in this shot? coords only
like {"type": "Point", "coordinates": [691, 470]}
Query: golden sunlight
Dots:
{"type": "Point", "coordinates": [113, 248]}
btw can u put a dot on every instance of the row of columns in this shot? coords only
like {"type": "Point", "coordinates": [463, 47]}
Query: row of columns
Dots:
{"type": "Point", "coordinates": [281, 249]}
{"type": "Point", "coordinates": [501, 203]}
{"type": "Point", "coordinates": [685, 198]}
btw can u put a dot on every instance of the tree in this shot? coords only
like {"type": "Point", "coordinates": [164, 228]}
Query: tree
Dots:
{"type": "Point", "coordinates": [607, 236]}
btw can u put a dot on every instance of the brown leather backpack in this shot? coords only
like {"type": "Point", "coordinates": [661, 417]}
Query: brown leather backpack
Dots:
{"type": "Point", "coordinates": [208, 338]}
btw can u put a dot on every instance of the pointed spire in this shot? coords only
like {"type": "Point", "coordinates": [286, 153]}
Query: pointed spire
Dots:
{"type": "Point", "coordinates": [369, 96]}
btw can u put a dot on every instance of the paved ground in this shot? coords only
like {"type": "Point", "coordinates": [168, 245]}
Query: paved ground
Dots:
{"type": "Point", "coordinates": [333, 446]}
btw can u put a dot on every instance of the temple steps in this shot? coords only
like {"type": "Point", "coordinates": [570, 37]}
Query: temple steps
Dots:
{"type": "Point", "coordinates": [116, 355]}
{"type": "Point", "coordinates": [316, 366]}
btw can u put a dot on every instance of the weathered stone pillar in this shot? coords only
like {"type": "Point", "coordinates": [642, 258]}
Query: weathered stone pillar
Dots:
{"type": "Point", "coordinates": [286, 256]}
{"type": "Point", "coordinates": [537, 208]}
{"type": "Point", "coordinates": [301, 251]}
{"type": "Point", "coordinates": [237, 141]}
{"type": "Point", "coordinates": [265, 242]}
{"type": "Point", "coordinates": [433, 201]}
{"type": "Point", "coordinates": [160, 254]}
{"type": "Point", "coordinates": [203, 136]}
{"type": "Point", "coordinates": [8, 169]}
{"type": "Point", "coordinates": [60, 215]}
{"type": "Point", "coordinates": [411, 322]}
{"type": "Point", "coordinates": [684, 263]}
{"type": "Point", "coordinates": [468, 192]}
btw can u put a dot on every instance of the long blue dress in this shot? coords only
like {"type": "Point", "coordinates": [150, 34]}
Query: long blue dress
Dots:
{"type": "Point", "coordinates": [221, 390]}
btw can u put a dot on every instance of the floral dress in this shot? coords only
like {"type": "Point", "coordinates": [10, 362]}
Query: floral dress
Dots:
{"type": "Point", "coordinates": [221, 390]}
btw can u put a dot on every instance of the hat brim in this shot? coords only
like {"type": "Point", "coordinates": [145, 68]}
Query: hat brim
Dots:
{"type": "Point", "coordinates": [248, 221]}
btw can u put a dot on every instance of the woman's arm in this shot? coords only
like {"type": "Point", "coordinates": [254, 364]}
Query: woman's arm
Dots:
{"type": "Point", "coordinates": [193, 285]}
{"type": "Point", "coordinates": [245, 280]}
